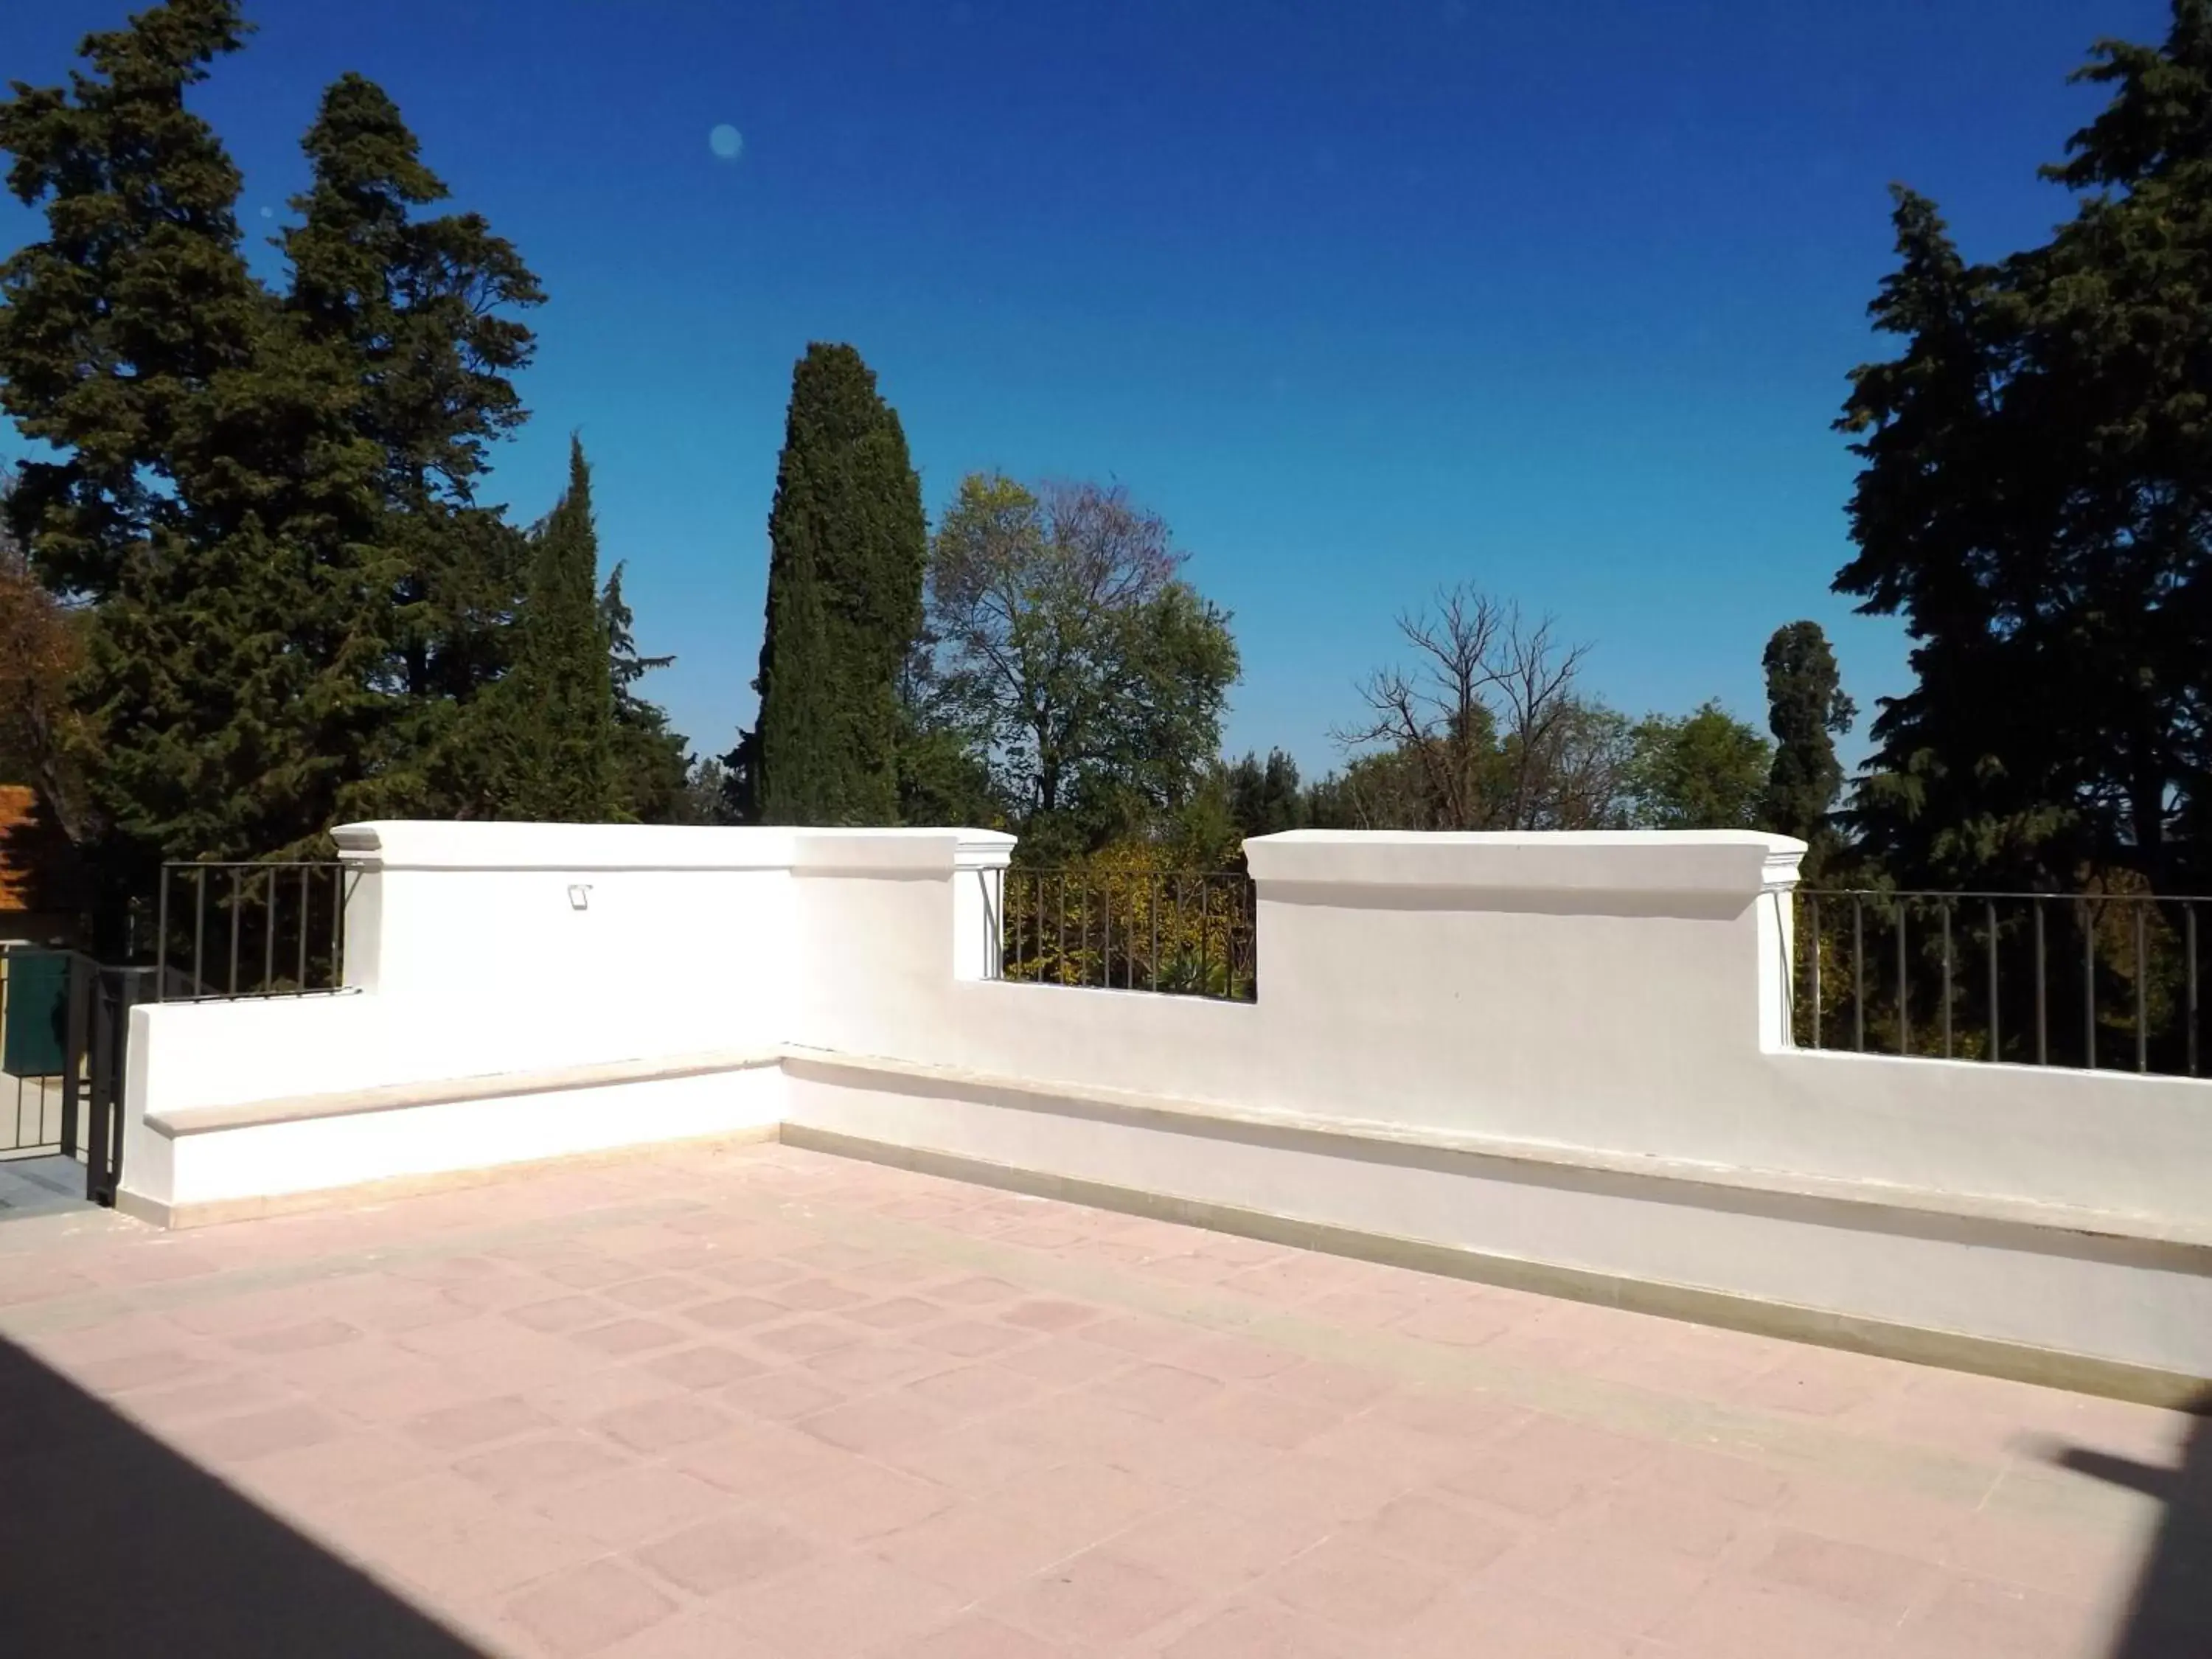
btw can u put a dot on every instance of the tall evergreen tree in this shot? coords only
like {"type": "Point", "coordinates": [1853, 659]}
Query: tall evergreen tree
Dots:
{"type": "Point", "coordinates": [116, 323]}
{"type": "Point", "coordinates": [556, 743]}
{"type": "Point", "coordinates": [847, 545]}
{"type": "Point", "coordinates": [1806, 711]}
{"type": "Point", "coordinates": [210, 501]}
{"type": "Point", "coordinates": [418, 315]}
{"type": "Point", "coordinates": [2034, 504]}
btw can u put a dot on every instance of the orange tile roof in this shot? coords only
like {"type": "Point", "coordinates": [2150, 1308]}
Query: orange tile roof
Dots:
{"type": "Point", "coordinates": [19, 805]}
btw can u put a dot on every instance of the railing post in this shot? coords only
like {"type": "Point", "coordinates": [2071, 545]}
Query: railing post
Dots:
{"type": "Point", "coordinates": [2088, 989]}
{"type": "Point", "coordinates": [1947, 979]}
{"type": "Point", "coordinates": [2142, 977]}
{"type": "Point", "coordinates": [1903, 982]}
{"type": "Point", "coordinates": [75, 1042]}
{"type": "Point", "coordinates": [1997, 1029]}
{"type": "Point", "coordinates": [161, 938]}
{"type": "Point", "coordinates": [1858, 972]}
{"type": "Point", "coordinates": [1812, 912]}
{"type": "Point", "coordinates": [2189, 928]}
{"type": "Point", "coordinates": [2042, 994]}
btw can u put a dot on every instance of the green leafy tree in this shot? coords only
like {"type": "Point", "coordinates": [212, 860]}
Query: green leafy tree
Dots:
{"type": "Point", "coordinates": [1704, 770]}
{"type": "Point", "coordinates": [1806, 711]}
{"type": "Point", "coordinates": [559, 760]}
{"type": "Point", "coordinates": [847, 545]}
{"type": "Point", "coordinates": [944, 769]}
{"type": "Point", "coordinates": [1084, 667]}
{"type": "Point", "coordinates": [2033, 502]}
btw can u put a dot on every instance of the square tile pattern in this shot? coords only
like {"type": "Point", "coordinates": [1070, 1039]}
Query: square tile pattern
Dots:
{"type": "Point", "coordinates": [753, 1401]}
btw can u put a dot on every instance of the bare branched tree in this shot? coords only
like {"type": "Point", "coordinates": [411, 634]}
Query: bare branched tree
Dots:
{"type": "Point", "coordinates": [1487, 719]}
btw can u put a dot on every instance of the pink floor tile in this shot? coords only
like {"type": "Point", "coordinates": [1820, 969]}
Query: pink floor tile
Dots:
{"type": "Point", "coordinates": [759, 1403]}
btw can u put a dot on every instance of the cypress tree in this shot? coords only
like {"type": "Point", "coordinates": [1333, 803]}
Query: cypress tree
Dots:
{"type": "Point", "coordinates": [1806, 711]}
{"type": "Point", "coordinates": [847, 545]}
{"type": "Point", "coordinates": [558, 708]}
{"type": "Point", "coordinates": [651, 765]}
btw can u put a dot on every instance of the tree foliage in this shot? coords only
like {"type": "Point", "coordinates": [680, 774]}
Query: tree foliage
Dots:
{"type": "Point", "coordinates": [1806, 711]}
{"type": "Point", "coordinates": [1484, 729]}
{"type": "Point", "coordinates": [558, 735]}
{"type": "Point", "coordinates": [847, 543]}
{"type": "Point", "coordinates": [651, 769]}
{"type": "Point", "coordinates": [258, 507]}
{"type": "Point", "coordinates": [42, 740]}
{"type": "Point", "coordinates": [2035, 501]}
{"type": "Point", "coordinates": [1703, 770]}
{"type": "Point", "coordinates": [1075, 657]}
{"type": "Point", "coordinates": [416, 318]}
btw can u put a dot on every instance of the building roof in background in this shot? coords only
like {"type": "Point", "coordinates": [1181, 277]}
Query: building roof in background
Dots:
{"type": "Point", "coordinates": [18, 811]}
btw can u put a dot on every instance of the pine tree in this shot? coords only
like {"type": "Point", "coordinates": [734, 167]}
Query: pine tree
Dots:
{"type": "Point", "coordinates": [116, 323]}
{"type": "Point", "coordinates": [2033, 504]}
{"type": "Point", "coordinates": [418, 315]}
{"type": "Point", "coordinates": [847, 545]}
{"type": "Point", "coordinates": [210, 501]}
{"type": "Point", "coordinates": [1806, 711]}
{"type": "Point", "coordinates": [556, 736]}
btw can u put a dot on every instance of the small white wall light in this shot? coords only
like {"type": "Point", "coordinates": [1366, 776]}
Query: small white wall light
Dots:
{"type": "Point", "coordinates": [579, 896]}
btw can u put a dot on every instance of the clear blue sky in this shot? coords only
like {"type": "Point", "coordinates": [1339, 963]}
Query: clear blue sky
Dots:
{"type": "Point", "coordinates": [1364, 298]}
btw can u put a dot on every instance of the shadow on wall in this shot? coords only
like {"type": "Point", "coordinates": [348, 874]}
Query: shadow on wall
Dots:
{"type": "Point", "coordinates": [112, 1545]}
{"type": "Point", "coordinates": [2171, 1614]}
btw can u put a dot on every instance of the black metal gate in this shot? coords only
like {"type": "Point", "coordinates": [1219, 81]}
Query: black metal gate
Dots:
{"type": "Point", "coordinates": [64, 1036]}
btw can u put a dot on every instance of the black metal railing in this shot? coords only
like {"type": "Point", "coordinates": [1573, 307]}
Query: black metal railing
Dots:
{"type": "Point", "coordinates": [2095, 980]}
{"type": "Point", "coordinates": [253, 930]}
{"type": "Point", "coordinates": [1177, 934]}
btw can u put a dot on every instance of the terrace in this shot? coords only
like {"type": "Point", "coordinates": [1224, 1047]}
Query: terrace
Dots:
{"type": "Point", "coordinates": [688, 1241]}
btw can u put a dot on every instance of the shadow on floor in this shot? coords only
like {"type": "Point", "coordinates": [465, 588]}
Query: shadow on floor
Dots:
{"type": "Point", "coordinates": [112, 1545]}
{"type": "Point", "coordinates": [2171, 1615]}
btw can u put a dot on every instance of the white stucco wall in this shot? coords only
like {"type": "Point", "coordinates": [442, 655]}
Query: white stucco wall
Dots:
{"type": "Point", "coordinates": [1615, 999]}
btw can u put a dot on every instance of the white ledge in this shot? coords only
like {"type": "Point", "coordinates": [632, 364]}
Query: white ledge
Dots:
{"type": "Point", "coordinates": [409, 844]}
{"type": "Point", "coordinates": [1695, 862]}
{"type": "Point", "coordinates": [446, 1092]}
{"type": "Point", "coordinates": [1199, 1117]}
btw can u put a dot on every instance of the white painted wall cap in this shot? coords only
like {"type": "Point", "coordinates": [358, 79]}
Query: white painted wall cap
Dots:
{"type": "Point", "coordinates": [899, 851]}
{"type": "Point", "coordinates": [1592, 861]}
{"type": "Point", "coordinates": [426, 844]}
{"type": "Point", "coordinates": [422, 844]}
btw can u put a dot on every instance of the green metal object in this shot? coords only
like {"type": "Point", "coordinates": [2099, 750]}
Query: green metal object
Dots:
{"type": "Point", "coordinates": [34, 1037]}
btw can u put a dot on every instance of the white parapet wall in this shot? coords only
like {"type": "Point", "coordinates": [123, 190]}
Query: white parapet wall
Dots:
{"type": "Point", "coordinates": [1555, 1060]}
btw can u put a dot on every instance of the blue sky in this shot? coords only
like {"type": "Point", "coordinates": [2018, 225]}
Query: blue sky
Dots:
{"type": "Point", "coordinates": [1558, 300]}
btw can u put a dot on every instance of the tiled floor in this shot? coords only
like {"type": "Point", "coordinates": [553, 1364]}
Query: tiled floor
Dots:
{"type": "Point", "coordinates": [40, 1186]}
{"type": "Point", "coordinates": [756, 1402]}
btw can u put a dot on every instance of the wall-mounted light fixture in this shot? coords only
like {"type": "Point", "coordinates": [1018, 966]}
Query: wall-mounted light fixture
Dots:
{"type": "Point", "coordinates": [579, 896]}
